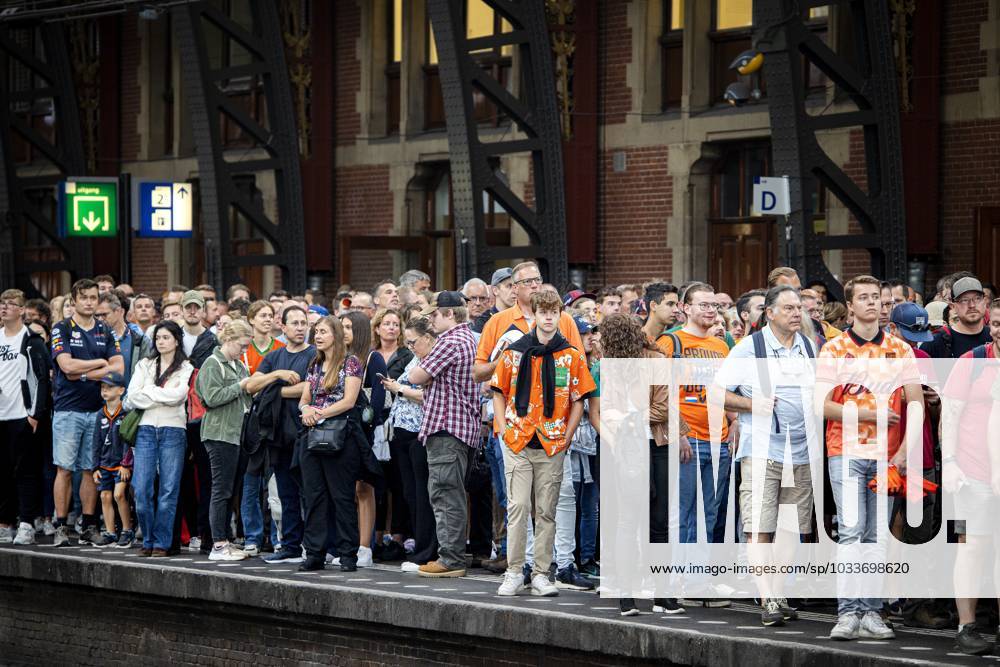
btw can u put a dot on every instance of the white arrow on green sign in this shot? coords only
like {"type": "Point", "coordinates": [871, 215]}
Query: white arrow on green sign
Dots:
{"type": "Point", "coordinates": [90, 208]}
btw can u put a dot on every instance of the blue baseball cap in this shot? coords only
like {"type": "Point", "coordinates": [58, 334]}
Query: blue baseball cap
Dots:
{"type": "Point", "coordinates": [113, 379]}
{"type": "Point", "coordinates": [912, 322]}
{"type": "Point", "coordinates": [319, 310]}
{"type": "Point", "coordinates": [582, 325]}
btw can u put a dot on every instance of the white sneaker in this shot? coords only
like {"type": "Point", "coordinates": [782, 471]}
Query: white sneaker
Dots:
{"type": "Point", "coordinates": [226, 552]}
{"type": "Point", "coordinates": [47, 528]}
{"type": "Point", "coordinates": [6, 534]}
{"type": "Point", "coordinates": [25, 534]}
{"type": "Point", "coordinates": [409, 566]}
{"type": "Point", "coordinates": [251, 550]}
{"type": "Point", "coordinates": [365, 557]}
{"type": "Point", "coordinates": [873, 627]}
{"type": "Point", "coordinates": [541, 586]}
{"type": "Point", "coordinates": [194, 544]}
{"type": "Point", "coordinates": [846, 628]}
{"type": "Point", "coordinates": [513, 583]}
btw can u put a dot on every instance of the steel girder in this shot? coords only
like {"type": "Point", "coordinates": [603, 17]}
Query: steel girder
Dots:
{"type": "Point", "coordinates": [534, 112]}
{"type": "Point", "coordinates": [49, 77]}
{"type": "Point", "coordinates": [869, 80]}
{"type": "Point", "coordinates": [221, 194]}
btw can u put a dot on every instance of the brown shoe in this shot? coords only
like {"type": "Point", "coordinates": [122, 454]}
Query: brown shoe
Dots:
{"type": "Point", "coordinates": [438, 569]}
{"type": "Point", "coordinates": [496, 566]}
{"type": "Point", "coordinates": [145, 553]}
{"type": "Point", "coordinates": [159, 553]}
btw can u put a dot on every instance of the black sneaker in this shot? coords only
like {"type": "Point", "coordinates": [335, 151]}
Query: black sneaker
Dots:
{"type": "Point", "coordinates": [590, 569]}
{"type": "Point", "coordinates": [788, 612]}
{"type": "Point", "coordinates": [771, 614]}
{"type": "Point", "coordinates": [393, 551]}
{"type": "Point", "coordinates": [126, 540]}
{"type": "Point", "coordinates": [90, 535]}
{"type": "Point", "coordinates": [626, 607]}
{"type": "Point", "coordinates": [312, 564]}
{"type": "Point", "coordinates": [569, 578]}
{"type": "Point", "coordinates": [290, 555]}
{"type": "Point", "coordinates": [106, 540]}
{"type": "Point", "coordinates": [349, 566]}
{"type": "Point", "coordinates": [969, 641]}
{"type": "Point", "coordinates": [667, 606]}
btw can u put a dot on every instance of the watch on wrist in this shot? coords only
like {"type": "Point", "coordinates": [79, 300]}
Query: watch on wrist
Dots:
{"type": "Point", "coordinates": [84, 377]}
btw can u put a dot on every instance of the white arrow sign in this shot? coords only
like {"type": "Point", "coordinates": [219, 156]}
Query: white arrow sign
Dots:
{"type": "Point", "coordinates": [90, 222]}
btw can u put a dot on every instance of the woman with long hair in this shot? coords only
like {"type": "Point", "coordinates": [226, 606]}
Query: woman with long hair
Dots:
{"type": "Point", "coordinates": [408, 452]}
{"type": "Point", "coordinates": [159, 387]}
{"type": "Point", "coordinates": [333, 385]}
{"type": "Point", "coordinates": [358, 339]}
{"type": "Point", "coordinates": [387, 335]}
{"type": "Point", "coordinates": [222, 386]}
{"type": "Point", "coordinates": [622, 337]}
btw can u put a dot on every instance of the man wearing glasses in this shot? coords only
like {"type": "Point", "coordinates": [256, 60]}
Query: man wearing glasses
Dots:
{"type": "Point", "coordinates": [970, 330]}
{"type": "Point", "coordinates": [477, 295]}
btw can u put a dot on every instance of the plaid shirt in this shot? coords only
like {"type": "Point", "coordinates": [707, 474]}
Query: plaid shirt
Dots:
{"type": "Point", "coordinates": [451, 401]}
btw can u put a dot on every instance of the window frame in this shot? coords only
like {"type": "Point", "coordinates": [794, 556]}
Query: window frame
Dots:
{"type": "Point", "coordinates": [670, 40]}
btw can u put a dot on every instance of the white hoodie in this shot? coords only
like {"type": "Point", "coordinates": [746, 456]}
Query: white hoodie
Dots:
{"type": "Point", "coordinates": [163, 406]}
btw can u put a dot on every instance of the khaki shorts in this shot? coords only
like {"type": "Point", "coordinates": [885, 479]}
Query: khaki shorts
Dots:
{"type": "Point", "coordinates": [975, 508]}
{"type": "Point", "coordinates": [772, 494]}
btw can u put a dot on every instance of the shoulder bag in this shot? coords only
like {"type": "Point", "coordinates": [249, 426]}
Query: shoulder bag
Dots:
{"type": "Point", "coordinates": [328, 438]}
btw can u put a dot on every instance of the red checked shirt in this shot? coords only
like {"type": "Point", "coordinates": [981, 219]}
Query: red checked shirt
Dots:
{"type": "Point", "coordinates": [451, 402]}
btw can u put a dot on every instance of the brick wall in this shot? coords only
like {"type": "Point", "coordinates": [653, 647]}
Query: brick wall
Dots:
{"type": "Point", "coordinates": [632, 220]}
{"type": "Point", "coordinates": [130, 91]}
{"type": "Point", "coordinates": [149, 271]}
{"type": "Point", "coordinates": [970, 155]}
{"type": "Point", "coordinates": [963, 61]}
{"type": "Point", "coordinates": [364, 207]}
{"type": "Point", "coordinates": [110, 628]}
{"type": "Point", "coordinates": [855, 262]}
{"type": "Point", "coordinates": [347, 27]}
{"type": "Point", "coordinates": [615, 54]}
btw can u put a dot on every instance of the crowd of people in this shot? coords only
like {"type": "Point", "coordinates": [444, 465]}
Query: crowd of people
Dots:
{"type": "Point", "coordinates": [453, 430]}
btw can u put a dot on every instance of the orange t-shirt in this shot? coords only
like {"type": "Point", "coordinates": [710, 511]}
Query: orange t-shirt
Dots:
{"type": "Point", "coordinates": [573, 382]}
{"type": "Point", "coordinates": [693, 397]}
{"type": "Point", "coordinates": [498, 325]}
{"type": "Point", "coordinates": [845, 348]}
{"type": "Point", "coordinates": [252, 357]}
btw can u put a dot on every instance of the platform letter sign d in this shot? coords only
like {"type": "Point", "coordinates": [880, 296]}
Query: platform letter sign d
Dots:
{"type": "Point", "coordinates": [770, 196]}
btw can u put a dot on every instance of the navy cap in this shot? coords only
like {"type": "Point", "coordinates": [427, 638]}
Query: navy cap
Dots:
{"type": "Point", "coordinates": [912, 322]}
{"type": "Point", "coordinates": [575, 295]}
{"type": "Point", "coordinates": [501, 275]}
{"type": "Point", "coordinates": [113, 379]}
{"type": "Point", "coordinates": [582, 325]}
{"type": "Point", "coordinates": [320, 310]}
{"type": "Point", "coordinates": [447, 299]}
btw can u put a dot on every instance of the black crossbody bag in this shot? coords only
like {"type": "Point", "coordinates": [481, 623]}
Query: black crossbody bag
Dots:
{"type": "Point", "coordinates": [328, 438]}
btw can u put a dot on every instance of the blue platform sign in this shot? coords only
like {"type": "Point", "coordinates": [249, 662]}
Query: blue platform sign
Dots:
{"type": "Point", "coordinates": [163, 209]}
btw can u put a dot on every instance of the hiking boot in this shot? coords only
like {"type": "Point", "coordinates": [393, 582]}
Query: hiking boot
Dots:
{"type": "Point", "coordinates": [924, 617]}
{"type": "Point", "coordinates": [771, 614]}
{"type": "Point", "coordinates": [542, 587]}
{"type": "Point", "coordinates": [788, 613]}
{"type": "Point", "coordinates": [513, 583]}
{"type": "Point", "coordinates": [438, 569]}
{"type": "Point", "coordinates": [970, 642]}
{"type": "Point", "coordinates": [667, 606]}
{"type": "Point", "coordinates": [873, 627]}
{"type": "Point", "coordinates": [497, 565]}
{"type": "Point", "coordinates": [847, 627]}
{"type": "Point", "coordinates": [158, 553]}
{"type": "Point", "coordinates": [569, 578]}
{"type": "Point", "coordinates": [25, 534]}
{"type": "Point", "coordinates": [61, 538]}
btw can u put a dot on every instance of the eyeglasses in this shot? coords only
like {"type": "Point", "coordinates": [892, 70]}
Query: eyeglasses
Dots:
{"type": "Point", "coordinates": [707, 306]}
{"type": "Point", "coordinates": [970, 301]}
{"type": "Point", "coordinates": [537, 280]}
{"type": "Point", "coordinates": [478, 299]}
{"type": "Point", "coordinates": [10, 304]}
{"type": "Point", "coordinates": [411, 343]}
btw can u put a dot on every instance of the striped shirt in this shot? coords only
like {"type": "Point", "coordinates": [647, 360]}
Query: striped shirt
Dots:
{"type": "Point", "coordinates": [451, 401]}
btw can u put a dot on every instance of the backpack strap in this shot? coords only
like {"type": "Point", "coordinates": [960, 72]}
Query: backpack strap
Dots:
{"type": "Point", "coordinates": [760, 352]}
{"type": "Point", "coordinates": [807, 346]}
{"type": "Point", "coordinates": [978, 352]}
{"type": "Point", "coordinates": [676, 344]}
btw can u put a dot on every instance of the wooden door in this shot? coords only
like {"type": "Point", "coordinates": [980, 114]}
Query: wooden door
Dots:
{"type": "Point", "coordinates": [741, 254]}
{"type": "Point", "coordinates": [988, 244]}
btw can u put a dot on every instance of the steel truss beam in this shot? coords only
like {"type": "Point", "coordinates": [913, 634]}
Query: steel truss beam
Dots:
{"type": "Point", "coordinates": [474, 163]}
{"type": "Point", "coordinates": [223, 183]}
{"type": "Point", "coordinates": [868, 79]}
{"type": "Point", "coordinates": [48, 79]}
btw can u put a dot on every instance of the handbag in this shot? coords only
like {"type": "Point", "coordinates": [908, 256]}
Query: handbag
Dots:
{"type": "Point", "coordinates": [129, 426]}
{"type": "Point", "coordinates": [328, 438]}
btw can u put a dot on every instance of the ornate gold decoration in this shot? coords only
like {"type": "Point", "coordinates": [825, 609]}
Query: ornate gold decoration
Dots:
{"type": "Point", "coordinates": [902, 15]}
{"type": "Point", "coordinates": [86, 64]}
{"type": "Point", "coordinates": [560, 13]}
{"type": "Point", "coordinates": [297, 35]}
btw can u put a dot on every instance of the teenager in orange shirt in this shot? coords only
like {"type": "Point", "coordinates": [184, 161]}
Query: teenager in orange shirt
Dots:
{"type": "Point", "coordinates": [860, 617]}
{"type": "Point", "coordinates": [538, 385]}
{"type": "Point", "coordinates": [261, 318]}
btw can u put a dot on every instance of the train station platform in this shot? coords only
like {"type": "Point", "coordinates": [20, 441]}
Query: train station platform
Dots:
{"type": "Point", "coordinates": [94, 606]}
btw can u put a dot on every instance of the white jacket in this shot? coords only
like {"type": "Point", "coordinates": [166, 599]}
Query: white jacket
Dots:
{"type": "Point", "coordinates": [163, 406]}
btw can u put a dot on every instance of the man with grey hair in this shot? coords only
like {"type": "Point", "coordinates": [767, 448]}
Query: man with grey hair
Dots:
{"type": "Point", "coordinates": [478, 296]}
{"type": "Point", "coordinates": [362, 302]}
{"type": "Point", "coordinates": [111, 310]}
{"type": "Point", "coordinates": [416, 279]}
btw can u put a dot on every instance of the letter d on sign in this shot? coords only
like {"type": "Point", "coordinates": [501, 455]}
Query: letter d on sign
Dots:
{"type": "Point", "coordinates": [767, 201]}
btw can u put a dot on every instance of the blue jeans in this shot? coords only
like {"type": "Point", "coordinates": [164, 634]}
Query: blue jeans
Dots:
{"type": "Point", "coordinates": [714, 488]}
{"type": "Point", "coordinates": [588, 495]}
{"type": "Point", "coordinates": [289, 485]}
{"type": "Point", "coordinates": [865, 530]}
{"type": "Point", "coordinates": [494, 454]}
{"type": "Point", "coordinates": [253, 517]}
{"type": "Point", "coordinates": [159, 452]}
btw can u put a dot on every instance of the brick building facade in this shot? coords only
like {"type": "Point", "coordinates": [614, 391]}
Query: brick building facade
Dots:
{"type": "Point", "coordinates": [669, 163]}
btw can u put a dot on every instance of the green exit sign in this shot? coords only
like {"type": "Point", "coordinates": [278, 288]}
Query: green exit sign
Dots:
{"type": "Point", "coordinates": [89, 207]}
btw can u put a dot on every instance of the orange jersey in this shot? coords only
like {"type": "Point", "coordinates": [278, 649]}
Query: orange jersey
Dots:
{"type": "Point", "coordinates": [498, 325]}
{"type": "Point", "coordinates": [693, 397]}
{"type": "Point", "coordinates": [573, 382]}
{"type": "Point", "coordinates": [846, 347]}
{"type": "Point", "coordinates": [252, 357]}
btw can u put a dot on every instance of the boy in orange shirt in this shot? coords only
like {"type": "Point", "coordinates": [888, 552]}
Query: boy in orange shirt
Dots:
{"type": "Point", "coordinates": [538, 385]}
